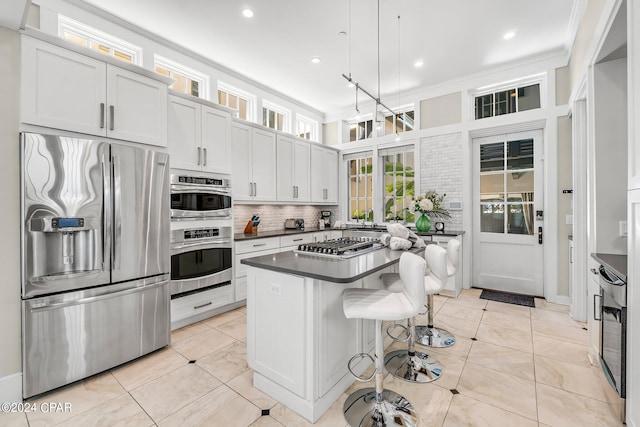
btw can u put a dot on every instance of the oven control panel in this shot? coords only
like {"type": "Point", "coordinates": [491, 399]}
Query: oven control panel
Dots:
{"type": "Point", "coordinates": [201, 233]}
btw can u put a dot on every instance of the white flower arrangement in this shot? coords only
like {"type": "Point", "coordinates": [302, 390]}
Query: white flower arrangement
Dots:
{"type": "Point", "coordinates": [431, 205]}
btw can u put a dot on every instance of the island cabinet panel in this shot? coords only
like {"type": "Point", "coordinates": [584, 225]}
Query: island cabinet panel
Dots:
{"type": "Point", "coordinates": [338, 334]}
{"type": "Point", "coordinates": [278, 328]}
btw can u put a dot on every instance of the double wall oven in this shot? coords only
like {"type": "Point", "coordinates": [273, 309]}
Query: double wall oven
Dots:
{"type": "Point", "coordinates": [201, 244]}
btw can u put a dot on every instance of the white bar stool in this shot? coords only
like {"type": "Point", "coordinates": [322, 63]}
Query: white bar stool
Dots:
{"type": "Point", "coordinates": [378, 407]}
{"type": "Point", "coordinates": [429, 335]}
{"type": "Point", "coordinates": [409, 365]}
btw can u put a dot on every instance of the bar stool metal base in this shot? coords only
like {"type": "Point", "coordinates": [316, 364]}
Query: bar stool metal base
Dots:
{"type": "Point", "coordinates": [361, 409]}
{"type": "Point", "coordinates": [434, 337]}
{"type": "Point", "coordinates": [419, 368]}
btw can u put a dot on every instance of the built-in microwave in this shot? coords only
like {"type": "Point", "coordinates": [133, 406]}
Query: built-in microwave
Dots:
{"type": "Point", "coordinates": [201, 258]}
{"type": "Point", "coordinates": [199, 197]}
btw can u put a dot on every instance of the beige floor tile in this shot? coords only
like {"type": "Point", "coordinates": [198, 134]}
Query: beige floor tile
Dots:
{"type": "Point", "coordinates": [504, 391]}
{"type": "Point", "coordinates": [242, 309]}
{"type": "Point", "coordinates": [188, 331]}
{"type": "Point", "coordinates": [506, 337]}
{"type": "Point", "coordinates": [224, 318]}
{"type": "Point", "coordinates": [514, 309]}
{"type": "Point", "coordinates": [119, 412]}
{"type": "Point", "coordinates": [243, 385]}
{"type": "Point", "coordinates": [458, 327]}
{"type": "Point", "coordinates": [334, 417]}
{"type": "Point", "coordinates": [561, 350]}
{"type": "Point", "coordinates": [266, 421]}
{"type": "Point", "coordinates": [430, 401]}
{"type": "Point", "coordinates": [148, 368]}
{"type": "Point", "coordinates": [226, 363]}
{"type": "Point", "coordinates": [507, 320]}
{"type": "Point", "coordinates": [460, 350]}
{"type": "Point", "coordinates": [460, 311]}
{"type": "Point", "coordinates": [167, 394]}
{"type": "Point", "coordinates": [558, 317]}
{"type": "Point", "coordinates": [570, 377]}
{"type": "Point", "coordinates": [465, 411]}
{"type": "Point", "coordinates": [222, 407]}
{"type": "Point", "coordinates": [82, 396]}
{"type": "Point", "coordinates": [543, 304]}
{"type": "Point", "coordinates": [503, 359]}
{"type": "Point", "coordinates": [236, 328]}
{"type": "Point", "coordinates": [561, 408]}
{"type": "Point", "coordinates": [553, 330]}
{"type": "Point", "coordinates": [471, 292]}
{"type": "Point", "coordinates": [197, 346]}
{"type": "Point", "coordinates": [469, 301]}
{"type": "Point", "coordinates": [13, 419]}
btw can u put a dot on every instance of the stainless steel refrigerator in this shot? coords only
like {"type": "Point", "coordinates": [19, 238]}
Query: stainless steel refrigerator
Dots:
{"type": "Point", "coordinates": [95, 257]}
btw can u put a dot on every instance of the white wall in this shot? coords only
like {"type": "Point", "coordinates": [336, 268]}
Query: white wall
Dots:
{"type": "Point", "coordinates": [10, 364]}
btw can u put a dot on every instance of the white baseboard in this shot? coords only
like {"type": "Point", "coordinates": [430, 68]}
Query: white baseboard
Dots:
{"type": "Point", "coordinates": [560, 299]}
{"type": "Point", "coordinates": [11, 388]}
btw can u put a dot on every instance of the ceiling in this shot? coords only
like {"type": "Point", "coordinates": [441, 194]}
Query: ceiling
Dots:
{"type": "Point", "coordinates": [453, 38]}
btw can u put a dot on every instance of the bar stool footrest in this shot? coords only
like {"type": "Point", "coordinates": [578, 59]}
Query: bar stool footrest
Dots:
{"type": "Point", "coordinates": [361, 356]}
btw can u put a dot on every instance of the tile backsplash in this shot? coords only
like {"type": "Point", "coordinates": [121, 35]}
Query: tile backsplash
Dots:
{"type": "Point", "coordinates": [272, 216]}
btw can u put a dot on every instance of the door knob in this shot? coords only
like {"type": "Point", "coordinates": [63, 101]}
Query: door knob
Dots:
{"type": "Point", "coordinates": [540, 235]}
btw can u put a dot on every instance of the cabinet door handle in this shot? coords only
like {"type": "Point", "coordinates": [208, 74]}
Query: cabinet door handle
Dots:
{"type": "Point", "coordinates": [259, 244]}
{"type": "Point", "coordinates": [199, 152]}
{"type": "Point", "coordinates": [204, 162]}
{"type": "Point", "coordinates": [297, 240]}
{"type": "Point", "coordinates": [202, 305]}
{"type": "Point", "coordinates": [112, 113]}
{"type": "Point", "coordinates": [102, 115]}
{"type": "Point", "coordinates": [255, 189]}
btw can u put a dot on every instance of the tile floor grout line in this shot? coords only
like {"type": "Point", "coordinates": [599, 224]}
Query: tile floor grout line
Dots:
{"type": "Point", "coordinates": [143, 410]}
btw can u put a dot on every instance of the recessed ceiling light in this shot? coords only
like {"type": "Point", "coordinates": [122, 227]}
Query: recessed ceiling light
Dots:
{"type": "Point", "coordinates": [509, 35]}
{"type": "Point", "coordinates": [350, 85]}
{"type": "Point", "coordinates": [419, 63]}
{"type": "Point", "coordinates": [248, 13]}
{"type": "Point", "coordinates": [315, 60]}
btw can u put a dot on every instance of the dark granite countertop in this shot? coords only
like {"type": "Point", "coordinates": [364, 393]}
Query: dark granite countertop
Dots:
{"type": "Point", "coordinates": [276, 233]}
{"type": "Point", "coordinates": [613, 262]}
{"type": "Point", "coordinates": [335, 270]}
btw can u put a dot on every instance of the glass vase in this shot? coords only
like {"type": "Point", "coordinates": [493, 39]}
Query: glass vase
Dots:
{"type": "Point", "coordinates": [423, 224]}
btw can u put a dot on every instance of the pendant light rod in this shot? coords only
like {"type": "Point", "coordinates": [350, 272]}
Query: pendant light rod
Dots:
{"type": "Point", "coordinates": [358, 87]}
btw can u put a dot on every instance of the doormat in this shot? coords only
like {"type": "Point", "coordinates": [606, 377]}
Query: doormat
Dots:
{"type": "Point", "coordinates": [507, 297]}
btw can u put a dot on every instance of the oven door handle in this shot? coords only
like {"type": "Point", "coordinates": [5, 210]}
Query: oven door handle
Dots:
{"type": "Point", "coordinates": [200, 189]}
{"type": "Point", "coordinates": [201, 243]}
{"type": "Point", "coordinates": [595, 312]}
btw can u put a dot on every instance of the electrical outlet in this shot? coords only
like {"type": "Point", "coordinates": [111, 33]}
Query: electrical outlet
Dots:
{"type": "Point", "coordinates": [275, 289]}
{"type": "Point", "coordinates": [568, 219]}
{"type": "Point", "coordinates": [623, 228]}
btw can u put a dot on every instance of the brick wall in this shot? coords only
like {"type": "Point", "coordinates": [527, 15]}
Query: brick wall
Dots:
{"type": "Point", "coordinates": [441, 170]}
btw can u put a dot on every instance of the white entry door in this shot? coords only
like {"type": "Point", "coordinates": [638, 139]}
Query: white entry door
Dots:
{"type": "Point", "coordinates": [508, 213]}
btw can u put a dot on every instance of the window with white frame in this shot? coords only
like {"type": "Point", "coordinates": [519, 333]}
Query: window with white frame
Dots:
{"type": "Point", "coordinates": [360, 181]}
{"type": "Point", "coordinates": [306, 128]}
{"type": "Point", "coordinates": [236, 99]}
{"type": "Point", "coordinates": [400, 122]}
{"type": "Point", "coordinates": [524, 94]}
{"type": "Point", "coordinates": [187, 80]}
{"type": "Point", "coordinates": [399, 182]}
{"type": "Point", "coordinates": [275, 117]}
{"type": "Point", "coordinates": [361, 129]}
{"type": "Point", "coordinates": [98, 41]}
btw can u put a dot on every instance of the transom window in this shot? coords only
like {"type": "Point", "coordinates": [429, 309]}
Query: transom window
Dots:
{"type": "Point", "coordinates": [187, 80]}
{"type": "Point", "coordinates": [361, 130]}
{"type": "Point", "coordinates": [236, 99]}
{"type": "Point", "coordinates": [98, 41]}
{"type": "Point", "coordinates": [275, 117]}
{"type": "Point", "coordinates": [361, 186]}
{"type": "Point", "coordinates": [306, 128]}
{"type": "Point", "coordinates": [399, 123]}
{"type": "Point", "coordinates": [507, 100]}
{"type": "Point", "coordinates": [393, 124]}
{"type": "Point", "coordinates": [507, 187]}
{"type": "Point", "coordinates": [399, 183]}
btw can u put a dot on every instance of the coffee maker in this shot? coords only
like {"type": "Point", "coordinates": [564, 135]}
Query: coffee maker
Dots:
{"type": "Point", "coordinates": [325, 216]}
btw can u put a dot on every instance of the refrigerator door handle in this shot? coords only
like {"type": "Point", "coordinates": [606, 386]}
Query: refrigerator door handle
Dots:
{"type": "Point", "coordinates": [119, 293]}
{"type": "Point", "coordinates": [117, 213]}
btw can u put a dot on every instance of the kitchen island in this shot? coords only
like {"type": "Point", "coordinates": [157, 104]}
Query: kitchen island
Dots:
{"type": "Point", "coordinates": [298, 340]}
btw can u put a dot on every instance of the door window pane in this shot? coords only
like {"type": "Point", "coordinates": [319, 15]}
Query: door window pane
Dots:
{"type": "Point", "coordinates": [492, 157]}
{"type": "Point", "coordinates": [492, 218]}
{"type": "Point", "coordinates": [520, 182]}
{"type": "Point", "coordinates": [520, 218]}
{"type": "Point", "coordinates": [520, 154]}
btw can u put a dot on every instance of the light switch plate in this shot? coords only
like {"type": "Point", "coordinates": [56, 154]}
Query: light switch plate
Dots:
{"type": "Point", "coordinates": [568, 219]}
{"type": "Point", "coordinates": [623, 228]}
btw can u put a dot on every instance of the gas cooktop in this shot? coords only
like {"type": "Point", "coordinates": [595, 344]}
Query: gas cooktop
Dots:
{"type": "Point", "coordinates": [343, 247]}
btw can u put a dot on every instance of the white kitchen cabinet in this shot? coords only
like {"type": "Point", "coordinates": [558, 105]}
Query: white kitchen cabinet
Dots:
{"type": "Point", "coordinates": [593, 308]}
{"type": "Point", "coordinates": [199, 136]}
{"type": "Point", "coordinates": [254, 160]}
{"type": "Point", "coordinates": [249, 249]}
{"type": "Point", "coordinates": [324, 175]}
{"type": "Point", "coordinates": [293, 170]}
{"type": "Point", "coordinates": [90, 96]}
{"type": "Point", "coordinates": [291, 242]}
